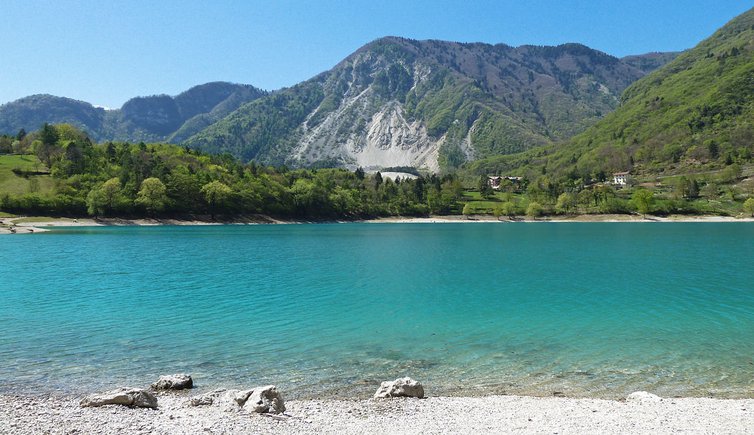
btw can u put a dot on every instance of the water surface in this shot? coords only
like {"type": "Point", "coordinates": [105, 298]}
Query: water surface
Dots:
{"type": "Point", "coordinates": [586, 309]}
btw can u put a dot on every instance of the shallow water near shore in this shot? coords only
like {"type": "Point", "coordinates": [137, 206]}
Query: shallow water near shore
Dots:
{"type": "Point", "coordinates": [585, 309]}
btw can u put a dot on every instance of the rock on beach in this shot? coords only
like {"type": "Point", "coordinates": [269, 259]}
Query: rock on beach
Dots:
{"type": "Point", "coordinates": [122, 396]}
{"type": "Point", "coordinates": [178, 381]}
{"type": "Point", "coordinates": [260, 400]}
{"type": "Point", "coordinates": [402, 387]}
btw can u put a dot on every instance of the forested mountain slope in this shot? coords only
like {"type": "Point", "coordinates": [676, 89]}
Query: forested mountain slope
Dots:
{"type": "Point", "coordinates": [694, 114]}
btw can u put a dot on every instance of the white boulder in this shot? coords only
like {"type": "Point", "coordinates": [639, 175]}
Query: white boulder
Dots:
{"type": "Point", "coordinates": [259, 400]}
{"type": "Point", "coordinates": [178, 381]}
{"type": "Point", "coordinates": [265, 399]}
{"type": "Point", "coordinates": [122, 396]}
{"type": "Point", "coordinates": [402, 387]}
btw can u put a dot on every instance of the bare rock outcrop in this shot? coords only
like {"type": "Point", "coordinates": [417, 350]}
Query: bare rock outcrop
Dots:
{"type": "Point", "coordinates": [402, 387]}
{"type": "Point", "coordinates": [122, 396]}
{"type": "Point", "coordinates": [180, 381]}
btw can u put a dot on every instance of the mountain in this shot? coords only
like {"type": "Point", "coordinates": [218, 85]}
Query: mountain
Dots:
{"type": "Point", "coordinates": [432, 104]}
{"type": "Point", "coordinates": [154, 118]}
{"type": "Point", "coordinates": [31, 112]}
{"type": "Point", "coordinates": [650, 61]}
{"type": "Point", "coordinates": [694, 114]}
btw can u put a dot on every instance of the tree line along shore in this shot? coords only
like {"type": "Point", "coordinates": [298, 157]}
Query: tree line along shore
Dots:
{"type": "Point", "coordinates": [59, 171]}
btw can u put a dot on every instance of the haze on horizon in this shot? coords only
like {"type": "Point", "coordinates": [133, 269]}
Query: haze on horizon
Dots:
{"type": "Point", "coordinates": [106, 53]}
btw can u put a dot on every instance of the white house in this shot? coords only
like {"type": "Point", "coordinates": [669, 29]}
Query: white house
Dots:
{"type": "Point", "coordinates": [620, 178]}
{"type": "Point", "coordinates": [495, 180]}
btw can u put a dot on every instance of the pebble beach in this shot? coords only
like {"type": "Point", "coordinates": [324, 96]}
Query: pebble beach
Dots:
{"type": "Point", "coordinates": [491, 414]}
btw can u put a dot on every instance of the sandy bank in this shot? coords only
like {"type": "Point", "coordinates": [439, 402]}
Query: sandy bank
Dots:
{"type": "Point", "coordinates": [572, 218]}
{"type": "Point", "coordinates": [22, 225]}
{"type": "Point", "coordinates": [493, 414]}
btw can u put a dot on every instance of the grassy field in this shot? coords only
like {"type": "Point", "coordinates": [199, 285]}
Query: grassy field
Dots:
{"type": "Point", "coordinates": [480, 205]}
{"type": "Point", "coordinates": [17, 185]}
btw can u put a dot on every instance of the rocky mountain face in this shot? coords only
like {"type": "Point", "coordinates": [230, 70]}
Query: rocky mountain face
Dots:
{"type": "Point", "coordinates": [154, 118]}
{"type": "Point", "coordinates": [430, 104]}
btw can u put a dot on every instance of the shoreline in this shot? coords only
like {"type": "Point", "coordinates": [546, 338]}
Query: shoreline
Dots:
{"type": "Point", "coordinates": [488, 414]}
{"type": "Point", "coordinates": [37, 225]}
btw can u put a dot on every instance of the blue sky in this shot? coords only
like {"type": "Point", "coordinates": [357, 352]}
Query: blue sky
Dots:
{"type": "Point", "coordinates": [105, 52]}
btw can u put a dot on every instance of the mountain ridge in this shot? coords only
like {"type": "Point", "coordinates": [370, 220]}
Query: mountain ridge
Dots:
{"type": "Point", "coordinates": [393, 102]}
{"type": "Point", "coordinates": [145, 118]}
{"type": "Point", "coordinates": [433, 104]}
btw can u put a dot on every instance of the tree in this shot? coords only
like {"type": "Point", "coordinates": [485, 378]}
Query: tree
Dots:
{"type": "Point", "coordinates": [49, 134]}
{"type": "Point", "coordinates": [377, 179]}
{"type": "Point", "coordinates": [534, 210]}
{"type": "Point", "coordinates": [566, 202]}
{"type": "Point", "coordinates": [749, 206]}
{"type": "Point", "coordinates": [359, 173]}
{"type": "Point", "coordinates": [152, 195]}
{"type": "Point", "coordinates": [508, 208]}
{"type": "Point", "coordinates": [484, 187]}
{"type": "Point", "coordinates": [467, 210]}
{"type": "Point", "coordinates": [505, 209]}
{"type": "Point", "coordinates": [710, 191]}
{"type": "Point", "coordinates": [643, 200]}
{"type": "Point", "coordinates": [104, 199]}
{"type": "Point", "coordinates": [216, 194]}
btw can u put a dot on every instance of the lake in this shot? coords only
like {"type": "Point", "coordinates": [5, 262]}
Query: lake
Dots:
{"type": "Point", "coordinates": [582, 309]}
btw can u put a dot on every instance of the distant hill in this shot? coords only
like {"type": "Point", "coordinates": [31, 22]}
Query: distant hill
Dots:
{"type": "Point", "coordinates": [696, 113]}
{"type": "Point", "coordinates": [154, 118]}
{"type": "Point", "coordinates": [432, 104]}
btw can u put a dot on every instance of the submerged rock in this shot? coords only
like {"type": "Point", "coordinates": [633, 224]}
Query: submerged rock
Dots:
{"type": "Point", "coordinates": [178, 381]}
{"type": "Point", "coordinates": [122, 396]}
{"type": "Point", "coordinates": [402, 387]}
{"type": "Point", "coordinates": [643, 397]}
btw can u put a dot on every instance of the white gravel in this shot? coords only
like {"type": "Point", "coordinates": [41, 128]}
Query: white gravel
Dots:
{"type": "Point", "coordinates": [492, 414]}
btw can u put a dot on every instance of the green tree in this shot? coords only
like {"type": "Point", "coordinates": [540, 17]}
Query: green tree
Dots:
{"type": "Point", "coordinates": [105, 199]}
{"type": "Point", "coordinates": [534, 210]}
{"type": "Point", "coordinates": [49, 134]}
{"type": "Point", "coordinates": [710, 191]}
{"type": "Point", "coordinates": [152, 195]}
{"type": "Point", "coordinates": [216, 195]}
{"type": "Point", "coordinates": [484, 187]}
{"type": "Point", "coordinates": [467, 210]}
{"type": "Point", "coordinates": [749, 207]}
{"type": "Point", "coordinates": [643, 199]}
{"type": "Point", "coordinates": [566, 202]}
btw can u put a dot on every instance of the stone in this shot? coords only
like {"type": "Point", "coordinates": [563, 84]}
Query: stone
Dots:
{"type": "Point", "coordinates": [402, 387]}
{"type": "Point", "coordinates": [265, 399]}
{"type": "Point", "coordinates": [201, 401]}
{"type": "Point", "coordinates": [214, 397]}
{"type": "Point", "coordinates": [178, 381]}
{"type": "Point", "coordinates": [122, 396]}
{"type": "Point", "coordinates": [643, 397]}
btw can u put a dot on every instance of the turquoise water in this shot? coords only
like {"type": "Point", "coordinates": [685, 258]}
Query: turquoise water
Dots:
{"type": "Point", "coordinates": [592, 309]}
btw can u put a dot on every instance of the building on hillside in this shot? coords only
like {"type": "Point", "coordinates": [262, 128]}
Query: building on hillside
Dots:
{"type": "Point", "coordinates": [496, 181]}
{"type": "Point", "coordinates": [620, 178]}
